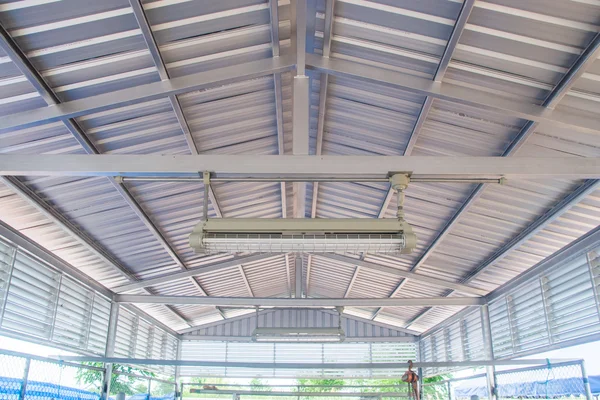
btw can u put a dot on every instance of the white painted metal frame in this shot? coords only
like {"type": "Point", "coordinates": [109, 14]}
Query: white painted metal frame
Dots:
{"type": "Point", "coordinates": [303, 167]}
{"type": "Point", "coordinates": [298, 301]}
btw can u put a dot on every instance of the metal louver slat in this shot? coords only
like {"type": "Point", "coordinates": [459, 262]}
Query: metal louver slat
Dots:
{"type": "Point", "coordinates": [7, 256]}
{"type": "Point", "coordinates": [473, 339]}
{"type": "Point", "coordinates": [73, 314]}
{"type": "Point", "coordinates": [301, 353]}
{"type": "Point", "coordinates": [124, 340]}
{"type": "Point", "coordinates": [98, 332]}
{"type": "Point", "coordinates": [570, 297]}
{"type": "Point", "coordinates": [30, 311]}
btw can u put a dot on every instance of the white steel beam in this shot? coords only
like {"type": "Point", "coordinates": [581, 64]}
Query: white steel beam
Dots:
{"type": "Point", "coordinates": [148, 92]}
{"type": "Point", "coordinates": [329, 14]}
{"type": "Point", "coordinates": [82, 237]}
{"type": "Point", "coordinates": [580, 246]}
{"type": "Point", "coordinates": [351, 284]}
{"type": "Point", "coordinates": [462, 95]}
{"type": "Point", "coordinates": [234, 262]}
{"type": "Point", "coordinates": [459, 26]}
{"type": "Point", "coordinates": [274, 13]}
{"type": "Point", "coordinates": [299, 302]}
{"type": "Point", "coordinates": [47, 93]}
{"type": "Point", "coordinates": [586, 58]}
{"type": "Point", "coordinates": [461, 288]}
{"type": "Point", "coordinates": [551, 215]}
{"type": "Point", "coordinates": [140, 16]}
{"type": "Point", "coordinates": [301, 115]}
{"type": "Point", "coordinates": [298, 272]}
{"type": "Point", "coordinates": [246, 282]}
{"type": "Point", "coordinates": [280, 167]}
{"type": "Point", "coordinates": [288, 275]}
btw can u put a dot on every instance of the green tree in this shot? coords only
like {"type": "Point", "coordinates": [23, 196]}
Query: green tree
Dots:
{"type": "Point", "coordinates": [197, 383]}
{"type": "Point", "coordinates": [92, 379]}
{"type": "Point", "coordinates": [328, 385]}
{"type": "Point", "coordinates": [258, 385]}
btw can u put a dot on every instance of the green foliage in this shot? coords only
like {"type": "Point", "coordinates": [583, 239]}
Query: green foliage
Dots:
{"type": "Point", "coordinates": [92, 379]}
{"type": "Point", "coordinates": [162, 388]}
{"type": "Point", "coordinates": [198, 383]}
{"type": "Point", "coordinates": [258, 385]}
{"type": "Point", "coordinates": [329, 384]}
{"type": "Point", "coordinates": [437, 378]}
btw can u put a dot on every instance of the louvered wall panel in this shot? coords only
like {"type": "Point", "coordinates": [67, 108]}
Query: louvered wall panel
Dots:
{"type": "Point", "coordinates": [73, 314]}
{"type": "Point", "coordinates": [571, 301]}
{"type": "Point", "coordinates": [558, 305]}
{"type": "Point", "coordinates": [32, 298]}
{"type": "Point", "coordinates": [473, 337]}
{"type": "Point", "coordinates": [460, 339]}
{"type": "Point", "coordinates": [7, 254]}
{"type": "Point", "coordinates": [126, 334]}
{"type": "Point", "coordinates": [501, 333]}
{"type": "Point", "coordinates": [294, 353]}
{"type": "Point", "coordinates": [527, 318]}
{"type": "Point", "coordinates": [98, 333]}
{"type": "Point", "coordinates": [137, 338]}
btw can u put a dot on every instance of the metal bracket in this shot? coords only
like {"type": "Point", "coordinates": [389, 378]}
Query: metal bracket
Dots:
{"type": "Point", "coordinates": [206, 181]}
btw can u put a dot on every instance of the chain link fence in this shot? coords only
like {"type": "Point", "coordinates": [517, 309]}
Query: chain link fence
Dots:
{"type": "Point", "coordinates": [552, 381]}
{"type": "Point", "coordinates": [25, 377]}
{"type": "Point", "coordinates": [35, 378]}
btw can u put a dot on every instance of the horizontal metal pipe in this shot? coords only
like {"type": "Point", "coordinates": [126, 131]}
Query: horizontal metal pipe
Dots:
{"type": "Point", "coordinates": [378, 395]}
{"type": "Point", "coordinates": [48, 360]}
{"type": "Point", "coordinates": [301, 302]}
{"type": "Point", "coordinates": [308, 179]}
{"type": "Point", "coordinates": [337, 366]}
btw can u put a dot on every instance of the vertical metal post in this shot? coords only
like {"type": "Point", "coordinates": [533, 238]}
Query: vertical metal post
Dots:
{"type": "Point", "coordinates": [449, 383]}
{"type": "Point", "coordinates": [206, 181]}
{"type": "Point", "coordinates": [181, 390]}
{"type": "Point", "coordinates": [178, 372]}
{"type": "Point", "coordinates": [25, 376]}
{"type": "Point", "coordinates": [489, 349]}
{"type": "Point", "coordinates": [420, 373]}
{"type": "Point", "coordinates": [586, 382]}
{"type": "Point", "coordinates": [110, 349]}
{"type": "Point", "coordinates": [298, 266]}
{"type": "Point", "coordinates": [149, 387]}
{"type": "Point", "coordinates": [8, 281]}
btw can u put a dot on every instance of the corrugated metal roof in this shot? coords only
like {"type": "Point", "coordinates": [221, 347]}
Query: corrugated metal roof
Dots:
{"type": "Point", "coordinates": [515, 49]}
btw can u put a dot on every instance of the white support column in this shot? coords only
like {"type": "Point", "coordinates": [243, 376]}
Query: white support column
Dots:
{"type": "Point", "coordinates": [489, 349]}
{"type": "Point", "coordinates": [110, 349]}
{"type": "Point", "coordinates": [178, 392]}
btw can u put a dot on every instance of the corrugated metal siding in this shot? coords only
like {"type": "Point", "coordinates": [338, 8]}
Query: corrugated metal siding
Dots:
{"type": "Point", "coordinates": [514, 49]}
{"type": "Point", "coordinates": [296, 319]}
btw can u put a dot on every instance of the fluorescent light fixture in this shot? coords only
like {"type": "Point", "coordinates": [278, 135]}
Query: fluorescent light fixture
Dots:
{"type": "Point", "coordinates": [298, 335]}
{"type": "Point", "coordinates": [262, 235]}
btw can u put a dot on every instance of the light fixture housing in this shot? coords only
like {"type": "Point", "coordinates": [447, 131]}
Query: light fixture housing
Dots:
{"type": "Point", "coordinates": [266, 235]}
{"type": "Point", "coordinates": [298, 335]}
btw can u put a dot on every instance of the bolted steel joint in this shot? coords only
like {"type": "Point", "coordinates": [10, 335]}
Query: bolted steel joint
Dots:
{"type": "Point", "coordinates": [399, 181]}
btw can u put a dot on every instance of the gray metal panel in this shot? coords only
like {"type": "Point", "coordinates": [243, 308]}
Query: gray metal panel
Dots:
{"type": "Point", "coordinates": [295, 319]}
